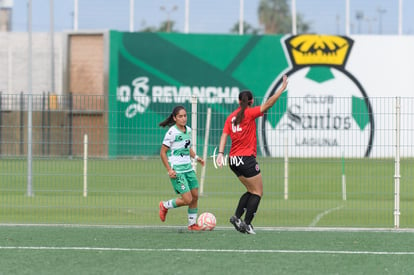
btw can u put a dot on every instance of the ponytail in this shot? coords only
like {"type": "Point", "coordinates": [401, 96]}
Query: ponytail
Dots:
{"type": "Point", "coordinates": [245, 99]}
{"type": "Point", "coordinates": [169, 121]}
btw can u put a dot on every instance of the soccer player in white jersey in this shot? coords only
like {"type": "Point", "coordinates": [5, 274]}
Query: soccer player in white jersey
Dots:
{"type": "Point", "coordinates": [176, 154]}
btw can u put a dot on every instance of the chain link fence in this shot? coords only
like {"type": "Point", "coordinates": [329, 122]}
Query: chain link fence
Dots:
{"type": "Point", "coordinates": [76, 179]}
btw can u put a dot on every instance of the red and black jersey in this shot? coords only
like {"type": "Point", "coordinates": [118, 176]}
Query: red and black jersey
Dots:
{"type": "Point", "coordinates": [243, 136]}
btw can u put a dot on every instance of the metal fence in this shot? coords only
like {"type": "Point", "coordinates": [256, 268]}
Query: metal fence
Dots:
{"type": "Point", "coordinates": [77, 179]}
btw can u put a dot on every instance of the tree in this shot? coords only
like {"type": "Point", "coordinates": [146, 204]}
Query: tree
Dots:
{"type": "Point", "coordinates": [165, 26]}
{"type": "Point", "coordinates": [302, 26]}
{"type": "Point", "coordinates": [247, 28]}
{"type": "Point", "coordinates": [275, 16]}
{"type": "Point", "coordinates": [148, 29]}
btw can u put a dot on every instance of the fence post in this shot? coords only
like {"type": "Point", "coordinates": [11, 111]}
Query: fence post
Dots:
{"type": "Point", "coordinates": [85, 165]}
{"type": "Point", "coordinates": [1, 122]}
{"type": "Point", "coordinates": [397, 163]}
{"type": "Point", "coordinates": [21, 124]}
{"type": "Point", "coordinates": [194, 127]}
{"type": "Point", "coordinates": [43, 123]}
{"type": "Point", "coordinates": [286, 171]}
{"type": "Point", "coordinates": [205, 150]}
{"type": "Point", "coordinates": [48, 124]}
{"type": "Point", "coordinates": [70, 123]}
{"type": "Point", "coordinates": [194, 103]}
{"type": "Point", "coordinates": [30, 145]}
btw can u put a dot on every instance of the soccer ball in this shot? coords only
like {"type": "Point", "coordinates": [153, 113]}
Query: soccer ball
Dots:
{"type": "Point", "coordinates": [206, 221]}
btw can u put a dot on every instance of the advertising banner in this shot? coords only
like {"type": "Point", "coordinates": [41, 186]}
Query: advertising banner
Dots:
{"type": "Point", "coordinates": [328, 110]}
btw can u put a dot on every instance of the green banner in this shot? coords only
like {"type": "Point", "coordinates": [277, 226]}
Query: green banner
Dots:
{"type": "Point", "coordinates": [151, 73]}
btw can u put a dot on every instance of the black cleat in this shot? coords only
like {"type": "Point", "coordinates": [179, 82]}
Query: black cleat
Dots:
{"type": "Point", "coordinates": [236, 222]}
{"type": "Point", "coordinates": [247, 228]}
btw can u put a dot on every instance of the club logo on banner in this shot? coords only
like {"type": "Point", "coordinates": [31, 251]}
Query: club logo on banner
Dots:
{"type": "Point", "coordinates": [325, 111]}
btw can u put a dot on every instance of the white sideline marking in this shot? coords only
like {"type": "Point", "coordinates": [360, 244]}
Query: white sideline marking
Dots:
{"type": "Point", "coordinates": [192, 250]}
{"type": "Point", "coordinates": [260, 228]}
{"type": "Point", "coordinates": [320, 216]}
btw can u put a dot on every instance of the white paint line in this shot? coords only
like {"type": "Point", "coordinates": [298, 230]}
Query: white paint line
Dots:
{"type": "Point", "coordinates": [260, 228]}
{"type": "Point", "coordinates": [320, 216]}
{"type": "Point", "coordinates": [192, 250]}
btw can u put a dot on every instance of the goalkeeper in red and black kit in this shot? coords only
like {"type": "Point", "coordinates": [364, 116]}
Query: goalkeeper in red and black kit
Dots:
{"type": "Point", "coordinates": [240, 125]}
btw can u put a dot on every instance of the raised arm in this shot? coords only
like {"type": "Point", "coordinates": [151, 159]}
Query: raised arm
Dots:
{"type": "Point", "coordinates": [272, 100]}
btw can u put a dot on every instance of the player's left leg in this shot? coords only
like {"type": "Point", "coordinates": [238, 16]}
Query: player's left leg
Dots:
{"type": "Point", "coordinates": [193, 206]}
{"type": "Point", "coordinates": [241, 207]}
{"type": "Point", "coordinates": [254, 185]}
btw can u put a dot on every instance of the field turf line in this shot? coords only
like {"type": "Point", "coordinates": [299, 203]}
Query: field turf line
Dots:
{"type": "Point", "coordinates": [195, 250]}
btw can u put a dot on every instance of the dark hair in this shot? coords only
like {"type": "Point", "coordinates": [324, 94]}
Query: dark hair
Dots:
{"type": "Point", "coordinates": [245, 99]}
{"type": "Point", "coordinates": [169, 121]}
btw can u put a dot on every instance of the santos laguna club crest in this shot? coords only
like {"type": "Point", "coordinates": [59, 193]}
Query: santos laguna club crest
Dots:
{"type": "Point", "coordinates": [325, 111]}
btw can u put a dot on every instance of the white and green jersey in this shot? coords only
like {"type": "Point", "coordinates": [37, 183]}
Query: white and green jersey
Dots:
{"type": "Point", "coordinates": [179, 153]}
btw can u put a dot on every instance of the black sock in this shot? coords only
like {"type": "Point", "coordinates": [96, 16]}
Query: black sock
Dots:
{"type": "Point", "coordinates": [242, 204]}
{"type": "Point", "coordinates": [252, 206]}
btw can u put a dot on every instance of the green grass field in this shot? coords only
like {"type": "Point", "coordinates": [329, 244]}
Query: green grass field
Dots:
{"type": "Point", "coordinates": [127, 192]}
{"type": "Point", "coordinates": [116, 228]}
{"type": "Point", "coordinates": [173, 250]}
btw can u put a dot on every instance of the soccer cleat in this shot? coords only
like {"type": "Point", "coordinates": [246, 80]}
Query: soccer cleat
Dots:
{"type": "Point", "coordinates": [236, 222]}
{"type": "Point", "coordinates": [163, 211]}
{"type": "Point", "coordinates": [248, 228]}
{"type": "Point", "coordinates": [195, 227]}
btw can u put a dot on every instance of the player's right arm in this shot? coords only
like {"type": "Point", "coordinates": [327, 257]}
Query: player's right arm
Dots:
{"type": "Point", "coordinates": [164, 159]}
{"type": "Point", "coordinates": [220, 156]}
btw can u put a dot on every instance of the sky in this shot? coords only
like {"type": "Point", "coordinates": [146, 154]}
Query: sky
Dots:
{"type": "Point", "coordinates": [210, 16]}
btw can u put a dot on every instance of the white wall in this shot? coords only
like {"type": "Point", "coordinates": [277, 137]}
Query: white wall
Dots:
{"type": "Point", "coordinates": [14, 63]}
